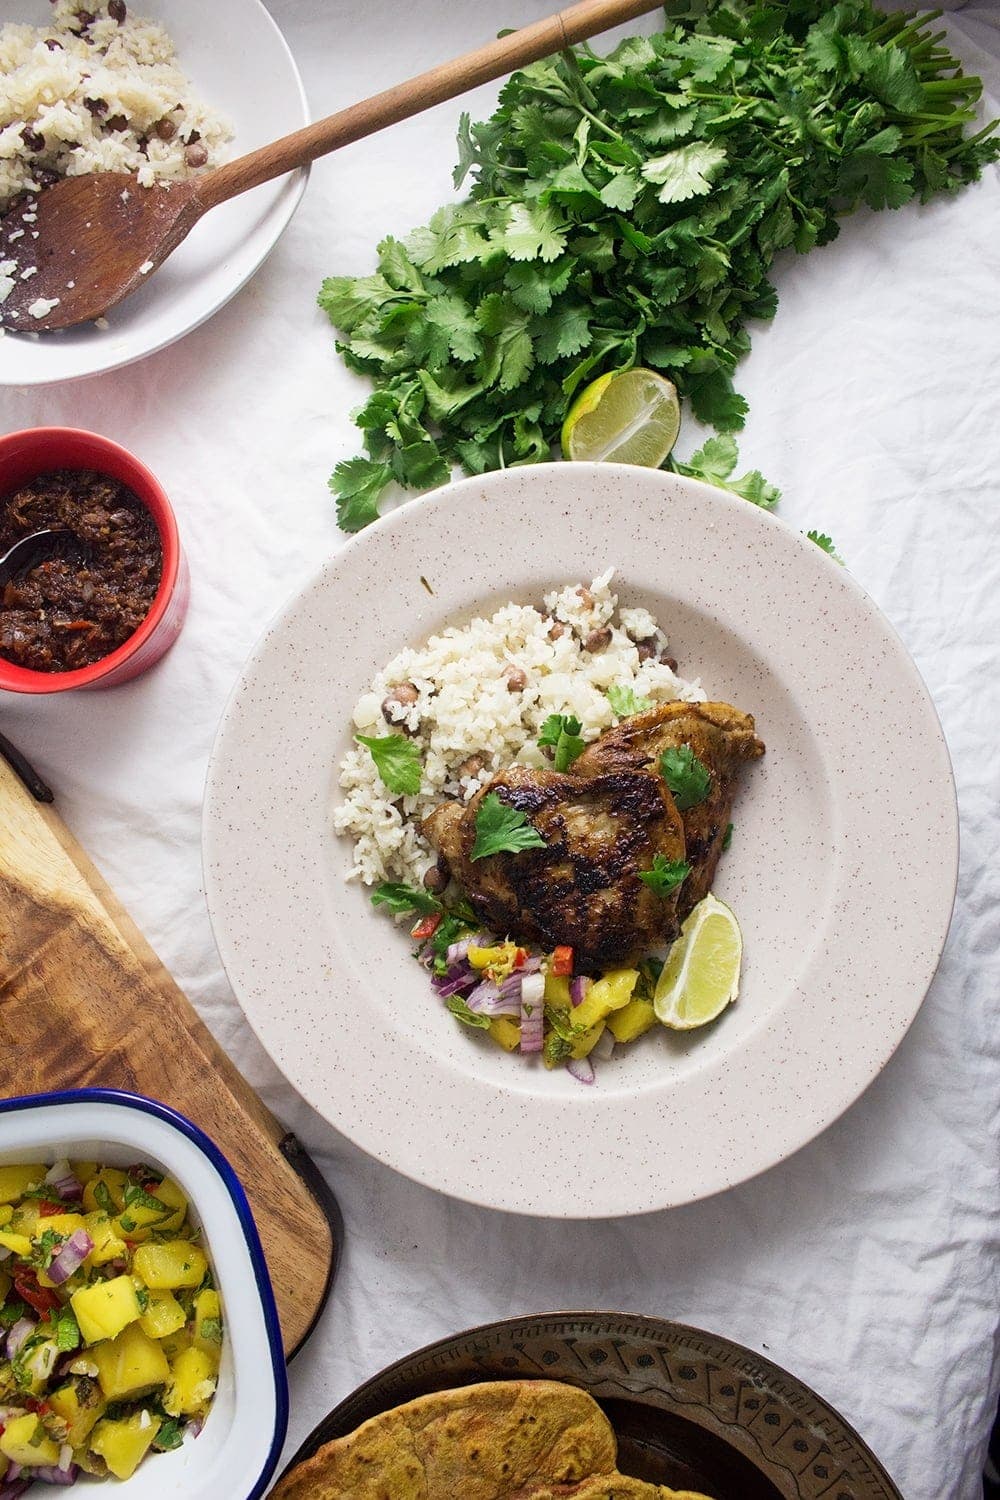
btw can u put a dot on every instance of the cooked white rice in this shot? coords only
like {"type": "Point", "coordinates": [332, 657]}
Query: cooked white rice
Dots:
{"type": "Point", "coordinates": [128, 72]}
{"type": "Point", "coordinates": [465, 709]}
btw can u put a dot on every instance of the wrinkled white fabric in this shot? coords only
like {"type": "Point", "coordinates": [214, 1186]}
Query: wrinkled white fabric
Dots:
{"type": "Point", "coordinates": [867, 1263]}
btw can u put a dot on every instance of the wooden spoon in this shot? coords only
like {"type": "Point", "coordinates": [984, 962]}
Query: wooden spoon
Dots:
{"type": "Point", "coordinates": [83, 245]}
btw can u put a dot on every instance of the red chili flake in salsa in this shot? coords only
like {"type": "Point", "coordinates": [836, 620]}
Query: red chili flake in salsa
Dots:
{"type": "Point", "coordinates": [78, 607]}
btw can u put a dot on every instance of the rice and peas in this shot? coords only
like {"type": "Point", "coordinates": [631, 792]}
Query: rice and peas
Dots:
{"type": "Point", "coordinates": [473, 700]}
{"type": "Point", "coordinates": [96, 90]}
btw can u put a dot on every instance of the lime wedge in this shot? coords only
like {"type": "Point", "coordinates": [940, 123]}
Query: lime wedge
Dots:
{"type": "Point", "coordinates": [630, 418]}
{"type": "Point", "coordinates": [702, 973]}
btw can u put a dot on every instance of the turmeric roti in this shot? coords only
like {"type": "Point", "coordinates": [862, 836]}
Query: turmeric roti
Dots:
{"type": "Point", "coordinates": [501, 1440]}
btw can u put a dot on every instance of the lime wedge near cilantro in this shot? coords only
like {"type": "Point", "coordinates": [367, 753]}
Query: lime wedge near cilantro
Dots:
{"type": "Point", "coordinates": [702, 973]}
{"type": "Point", "coordinates": [628, 418]}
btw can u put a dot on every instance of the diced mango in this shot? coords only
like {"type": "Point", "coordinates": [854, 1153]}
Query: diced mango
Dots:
{"type": "Point", "coordinates": [83, 1171]}
{"type": "Point", "coordinates": [18, 1243]}
{"type": "Point", "coordinates": [104, 1309]}
{"type": "Point", "coordinates": [16, 1180]}
{"type": "Point", "coordinates": [557, 991]}
{"type": "Point", "coordinates": [64, 1224]}
{"type": "Point", "coordinates": [138, 1220]}
{"type": "Point", "coordinates": [24, 1219]}
{"type": "Point", "coordinates": [111, 1180]}
{"type": "Point", "coordinates": [585, 1044]}
{"type": "Point", "coordinates": [192, 1383]}
{"type": "Point", "coordinates": [174, 1343]}
{"type": "Point", "coordinates": [208, 1323]}
{"type": "Point", "coordinates": [506, 1032]}
{"type": "Point", "coordinates": [632, 1020]}
{"type": "Point", "coordinates": [124, 1444]}
{"type": "Point", "coordinates": [173, 1264]}
{"type": "Point", "coordinates": [612, 992]}
{"type": "Point", "coordinates": [80, 1404]}
{"type": "Point", "coordinates": [6, 1214]}
{"type": "Point", "coordinates": [130, 1364]}
{"type": "Point", "coordinates": [162, 1315]}
{"type": "Point", "coordinates": [24, 1442]}
{"type": "Point", "coordinates": [107, 1245]}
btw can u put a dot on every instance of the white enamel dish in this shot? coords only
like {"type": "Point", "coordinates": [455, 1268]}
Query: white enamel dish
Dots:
{"type": "Point", "coordinates": [843, 914]}
{"type": "Point", "coordinates": [237, 1449]}
{"type": "Point", "coordinates": [238, 64]}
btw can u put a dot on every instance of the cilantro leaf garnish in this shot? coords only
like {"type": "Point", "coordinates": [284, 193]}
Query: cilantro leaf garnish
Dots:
{"type": "Point", "coordinates": [502, 830]}
{"type": "Point", "coordinates": [397, 761]}
{"type": "Point", "coordinates": [625, 701]}
{"type": "Point", "coordinates": [688, 780]}
{"type": "Point", "coordinates": [727, 837]}
{"type": "Point", "coordinates": [103, 1198]}
{"type": "Point", "coordinates": [665, 875]}
{"type": "Point", "coordinates": [562, 733]}
{"type": "Point", "coordinates": [136, 1196]}
{"type": "Point", "coordinates": [400, 899]}
{"type": "Point", "coordinates": [169, 1436]}
{"type": "Point", "coordinates": [715, 462]}
{"type": "Point", "coordinates": [462, 1013]}
{"type": "Point", "coordinates": [825, 544]}
{"type": "Point", "coordinates": [67, 1330]}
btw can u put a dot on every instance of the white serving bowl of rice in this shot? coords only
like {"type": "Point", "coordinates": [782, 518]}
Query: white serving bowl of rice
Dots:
{"type": "Point", "coordinates": [204, 58]}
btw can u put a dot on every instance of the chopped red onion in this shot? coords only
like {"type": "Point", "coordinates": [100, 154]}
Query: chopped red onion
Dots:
{"type": "Point", "coordinates": [61, 1177]}
{"type": "Point", "coordinates": [532, 1012]}
{"type": "Point", "coordinates": [49, 1474]}
{"type": "Point", "coordinates": [457, 979]}
{"type": "Point", "coordinates": [12, 1489]}
{"type": "Point", "coordinates": [532, 964]}
{"type": "Point", "coordinates": [20, 1331]}
{"type": "Point", "coordinates": [581, 1068]}
{"type": "Point", "coordinates": [578, 988]}
{"type": "Point", "coordinates": [194, 1426]}
{"type": "Point", "coordinates": [13, 1470]}
{"type": "Point", "coordinates": [71, 1257]}
{"type": "Point", "coordinates": [487, 1000]}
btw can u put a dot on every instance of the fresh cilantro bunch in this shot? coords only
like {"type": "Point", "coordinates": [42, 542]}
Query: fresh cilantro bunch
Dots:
{"type": "Point", "coordinates": [627, 210]}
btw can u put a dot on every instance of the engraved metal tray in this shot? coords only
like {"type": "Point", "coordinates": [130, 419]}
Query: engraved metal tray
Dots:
{"type": "Point", "coordinates": [690, 1409]}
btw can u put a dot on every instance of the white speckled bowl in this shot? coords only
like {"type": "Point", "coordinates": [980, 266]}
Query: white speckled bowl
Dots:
{"type": "Point", "coordinates": [839, 950]}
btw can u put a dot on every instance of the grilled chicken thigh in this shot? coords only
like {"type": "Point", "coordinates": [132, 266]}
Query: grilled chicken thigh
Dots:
{"type": "Point", "coordinates": [583, 888]}
{"type": "Point", "coordinates": [720, 736]}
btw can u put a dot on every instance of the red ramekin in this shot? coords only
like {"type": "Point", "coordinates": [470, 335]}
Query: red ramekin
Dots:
{"type": "Point", "coordinates": [39, 450]}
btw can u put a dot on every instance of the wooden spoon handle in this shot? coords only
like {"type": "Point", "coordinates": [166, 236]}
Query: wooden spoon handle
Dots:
{"type": "Point", "coordinates": [449, 79]}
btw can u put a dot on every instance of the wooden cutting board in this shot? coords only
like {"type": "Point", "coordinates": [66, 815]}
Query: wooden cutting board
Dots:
{"type": "Point", "coordinates": [85, 1002]}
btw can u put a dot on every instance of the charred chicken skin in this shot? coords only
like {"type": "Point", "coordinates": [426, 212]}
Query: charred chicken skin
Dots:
{"type": "Point", "coordinates": [603, 822]}
{"type": "Point", "coordinates": [720, 736]}
{"type": "Point", "coordinates": [583, 888]}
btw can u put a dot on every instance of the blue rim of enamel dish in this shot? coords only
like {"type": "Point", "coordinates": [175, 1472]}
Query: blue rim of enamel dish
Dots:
{"type": "Point", "coordinates": [234, 1187]}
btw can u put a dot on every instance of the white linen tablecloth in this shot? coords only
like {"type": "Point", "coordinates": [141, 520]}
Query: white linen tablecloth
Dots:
{"type": "Point", "coordinates": [867, 1263]}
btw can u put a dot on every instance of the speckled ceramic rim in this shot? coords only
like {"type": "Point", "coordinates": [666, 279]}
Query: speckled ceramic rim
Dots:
{"type": "Point", "coordinates": [843, 915]}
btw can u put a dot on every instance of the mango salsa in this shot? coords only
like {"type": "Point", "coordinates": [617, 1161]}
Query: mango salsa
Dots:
{"type": "Point", "coordinates": [126, 1328]}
